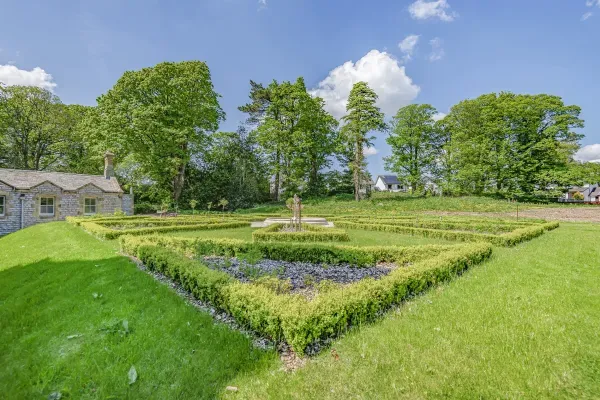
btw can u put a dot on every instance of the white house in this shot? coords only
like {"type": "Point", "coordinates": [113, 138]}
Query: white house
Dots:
{"type": "Point", "coordinates": [588, 193]}
{"type": "Point", "coordinates": [390, 183]}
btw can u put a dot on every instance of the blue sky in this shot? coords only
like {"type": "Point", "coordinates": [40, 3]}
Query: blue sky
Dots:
{"type": "Point", "coordinates": [454, 49]}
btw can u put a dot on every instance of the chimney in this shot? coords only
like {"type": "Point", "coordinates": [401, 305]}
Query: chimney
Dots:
{"type": "Point", "coordinates": [109, 169]}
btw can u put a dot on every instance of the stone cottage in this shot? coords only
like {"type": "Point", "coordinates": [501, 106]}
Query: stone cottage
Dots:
{"type": "Point", "coordinates": [32, 197]}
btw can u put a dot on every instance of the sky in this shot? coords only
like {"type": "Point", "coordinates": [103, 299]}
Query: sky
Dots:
{"type": "Point", "coordinates": [409, 51]}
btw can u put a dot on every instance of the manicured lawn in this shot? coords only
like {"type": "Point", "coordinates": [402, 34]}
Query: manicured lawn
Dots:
{"type": "Point", "coordinates": [357, 237]}
{"type": "Point", "coordinates": [523, 325]}
{"type": "Point", "coordinates": [390, 203]}
{"type": "Point", "coordinates": [50, 274]}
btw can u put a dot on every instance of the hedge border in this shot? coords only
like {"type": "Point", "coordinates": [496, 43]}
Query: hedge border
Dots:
{"type": "Point", "coordinates": [293, 318]}
{"type": "Point", "coordinates": [311, 233]}
{"type": "Point", "coordinates": [507, 239]}
{"type": "Point", "coordinates": [106, 233]}
{"type": "Point", "coordinates": [310, 252]}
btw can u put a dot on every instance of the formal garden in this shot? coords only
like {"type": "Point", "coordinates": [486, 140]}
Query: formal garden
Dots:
{"type": "Point", "coordinates": [300, 284]}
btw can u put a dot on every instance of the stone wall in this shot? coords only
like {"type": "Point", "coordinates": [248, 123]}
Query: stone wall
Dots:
{"type": "Point", "coordinates": [65, 204]}
{"type": "Point", "coordinates": [10, 221]}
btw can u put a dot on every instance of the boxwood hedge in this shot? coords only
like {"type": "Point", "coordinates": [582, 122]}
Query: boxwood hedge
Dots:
{"type": "Point", "coordinates": [296, 319]}
{"type": "Point", "coordinates": [310, 233]}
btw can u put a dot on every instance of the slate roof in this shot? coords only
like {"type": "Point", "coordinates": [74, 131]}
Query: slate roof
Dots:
{"type": "Point", "coordinates": [596, 192]}
{"type": "Point", "coordinates": [25, 179]}
{"type": "Point", "coordinates": [390, 179]}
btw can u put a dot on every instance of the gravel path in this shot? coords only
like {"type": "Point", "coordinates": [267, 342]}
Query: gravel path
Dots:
{"type": "Point", "coordinates": [302, 275]}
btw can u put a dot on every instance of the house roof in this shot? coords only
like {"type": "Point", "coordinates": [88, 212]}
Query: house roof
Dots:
{"type": "Point", "coordinates": [25, 179]}
{"type": "Point", "coordinates": [596, 192]}
{"type": "Point", "coordinates": [576, 189]}
{"type": "Point", "coordinates": [389, 179]}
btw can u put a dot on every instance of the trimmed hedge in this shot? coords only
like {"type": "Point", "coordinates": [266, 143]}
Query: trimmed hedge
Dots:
{"type": "Point", "coordinates": [507, 239]}
{"type": "Point", "coordinates": [314, 252]}
{"type": "Point", "coordinates": [106, 233]}
{"type": "Point", "coordinates": [293, 318]}
{"type": "Point", "coordinates": [310, 233]}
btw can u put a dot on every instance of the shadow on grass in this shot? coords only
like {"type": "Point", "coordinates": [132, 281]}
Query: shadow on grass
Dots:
{"type": "Point", "coordinates": [77, 327]}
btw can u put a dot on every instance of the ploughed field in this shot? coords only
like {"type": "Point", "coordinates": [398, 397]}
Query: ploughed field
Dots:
{"type": "Point", "coordinates": [507, 308]}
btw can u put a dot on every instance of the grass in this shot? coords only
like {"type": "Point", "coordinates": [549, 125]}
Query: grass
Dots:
{"type": "Point", "coordinates": [50, 274]}
{"type": "Point", "coordinates": [400, 203]}
{"type": "Point", "coordinates": [523, 325]}
{"type": "Point", "coordinates": [357, 237]}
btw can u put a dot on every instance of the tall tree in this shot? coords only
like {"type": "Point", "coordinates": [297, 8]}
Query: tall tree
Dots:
{"type": "Point", "coordinates": [296, 133]}
{"type": "Point", "coordinates": [316, 140]}
{"type": "Point", "coordinates": [363, 117]}
{"type": "Point", "coordinates": [508, 143]}
{"type": "Point", "coordinates": [232, 167]}
{"type": "Point", "coordinates": [415, 143]}
{"type": "Point", "coordinates": [34, 128]}
{"type": "Point", "coordinates": [162, 115]}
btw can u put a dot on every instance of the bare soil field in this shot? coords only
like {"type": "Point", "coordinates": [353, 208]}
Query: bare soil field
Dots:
{"type": "Point", "coordinates": [568, 214]}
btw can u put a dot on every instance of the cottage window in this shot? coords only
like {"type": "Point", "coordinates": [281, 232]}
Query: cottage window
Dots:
{"type": "Point", "coordinates": [47, 206]}
{"type": "Point", "coordinates": [89, 206]}
{"type": "Point", "coordinates": [2, 206]}
{"type": "Point", "coordinates": [389, 187]}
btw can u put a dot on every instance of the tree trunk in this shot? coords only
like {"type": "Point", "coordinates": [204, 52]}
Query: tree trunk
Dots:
{"type": "Point", "coordinates": [277, 177]}
{"type": "Point", "coordinates": [357, 170]}
{"type": "Point", "coordinates": [178, 182]}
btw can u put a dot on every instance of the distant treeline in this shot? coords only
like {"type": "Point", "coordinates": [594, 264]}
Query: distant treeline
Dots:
{"type": "Point", "coordinates": [162, 124]}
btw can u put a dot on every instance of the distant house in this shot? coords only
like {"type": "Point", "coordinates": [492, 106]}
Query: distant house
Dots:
{"type": "Point", "coordinates": [32, 197]}
{"type": "Point", "coordinates": [587, 193]}
{"type": "Point", "coordinates": [390, 183]}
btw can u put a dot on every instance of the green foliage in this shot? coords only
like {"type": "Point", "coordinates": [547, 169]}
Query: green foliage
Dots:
{"type": "Point", "coordinates": [506, 239]}
{"type": "Point", "coordinates": [296, 133]}
{"type": "Point", "coordinates": [578, 196]}
{"type": "Point", "coordinates": [363, 117]}
{"type": "Point", "coordinates": [309, 233]}
{"type": "Point", "coordinates": [294, 319]}
{"type": "Point", "coordinates": [308, 252]}
{"type": "Point", "coordinates": [193, 204]}
{"type": "Point", "coordinates": [507, 143]}
{"type": "Point", "coordinates": [416, 144]}
{"type": "Point", "coordinates": [223, 203]}
{"type": "Point", "coordinates": [37, 131]}
{"type": "Point", "coordinates": [103, 232]}
{"type": "Point", "coordinates": [161, 116]}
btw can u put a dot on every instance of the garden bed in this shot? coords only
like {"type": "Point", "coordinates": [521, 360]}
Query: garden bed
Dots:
{"type": "Point", "coordinates": [299, 275]}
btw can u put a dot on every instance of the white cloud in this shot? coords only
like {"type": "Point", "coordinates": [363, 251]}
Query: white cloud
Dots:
{"type": "Point", "coordinates": [370, 151]}
{"type": "Point", "coordinates": [422, 9]}
{"type": "Point", "coordinates": [439, 116]}
{"type": "Point", "coordinates": [592, 3]}
{"type": "Point", "coordinates": [585, 16]}
{"type": "Point", "coordinates": [591, 152]}
{"type": "Point", "coordinates": [407, 46]}
{"type": "Point", "coordinates": [437, 51]}
{"type": "Point", "coordinates": [262, 4]}
{"type": "Point", "coordinates": [11, 75]}
{"type": "Point", "coordinates": [381, 71]}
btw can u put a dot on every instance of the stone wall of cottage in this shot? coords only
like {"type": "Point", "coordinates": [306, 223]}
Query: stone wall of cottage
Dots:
{"type": "Point", "coordinates": [10, 221]}
{"type": "Point", "coordinates": [65, 204]}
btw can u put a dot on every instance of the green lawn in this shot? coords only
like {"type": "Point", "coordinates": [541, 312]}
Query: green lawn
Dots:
{"type": "Point", "coordinates": [525, 324]}
{"type": "Point", "coordinates": [357, 237]}
{"type": "Point", "coordinates": [390, 203]}
{"type": "Point", "coordinates": [50, 274]}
